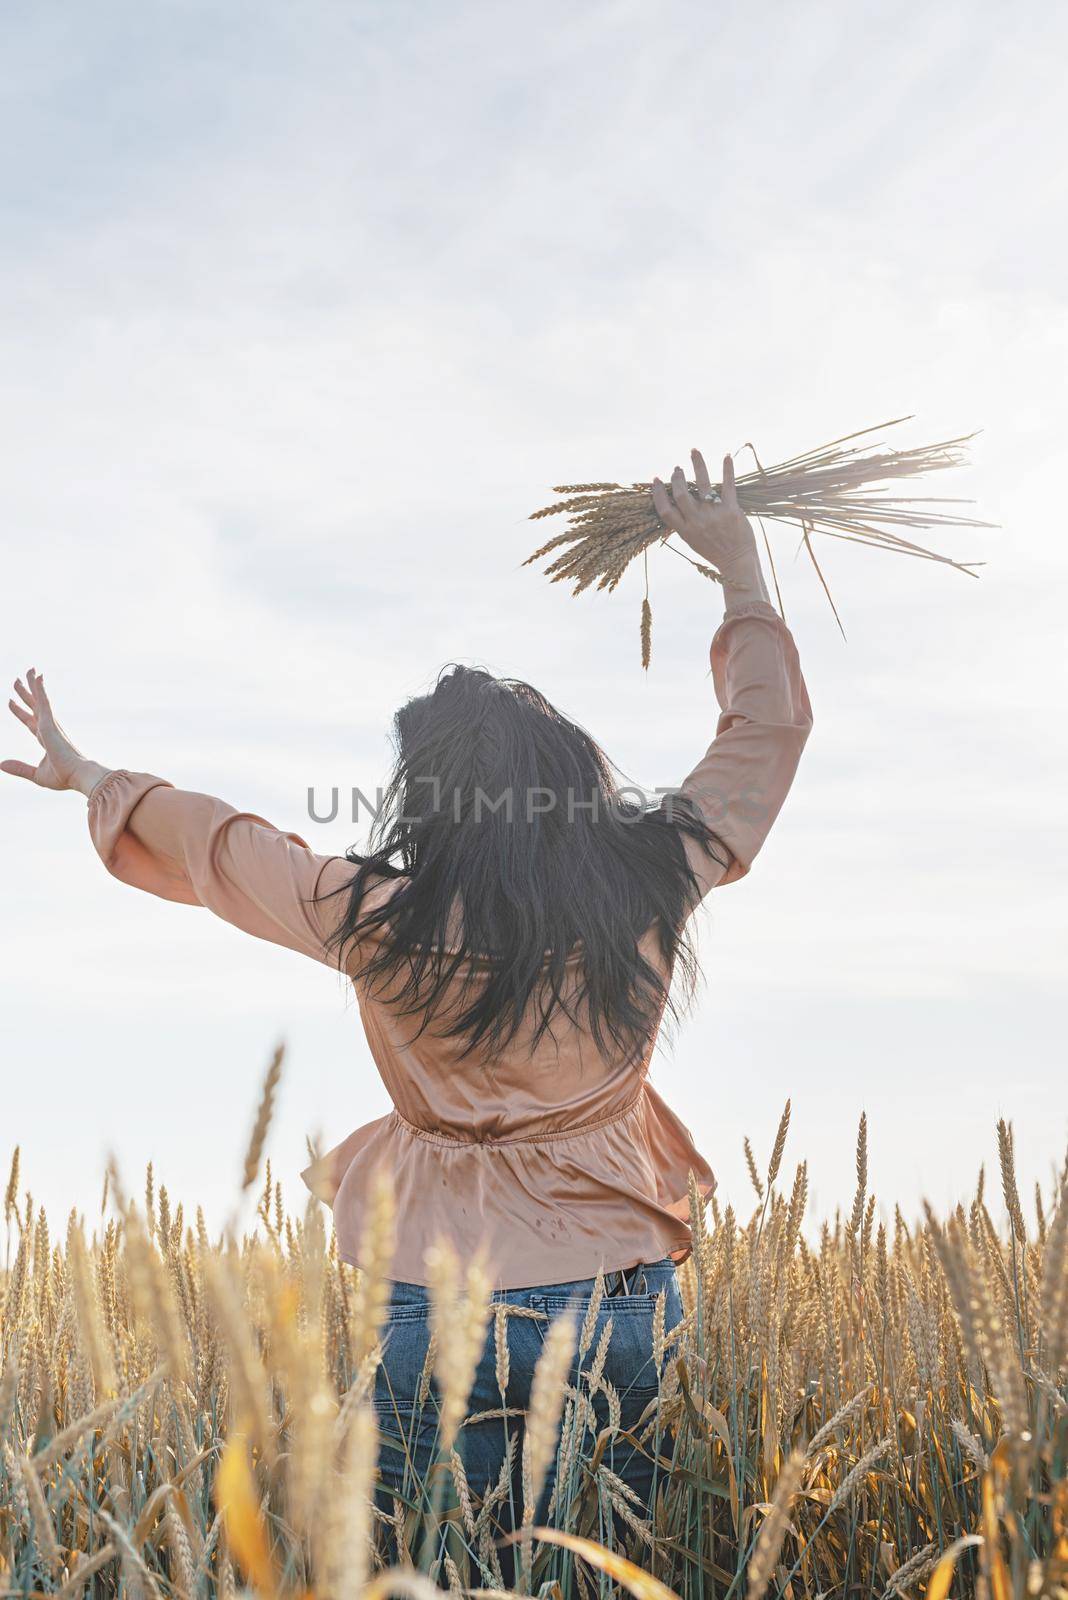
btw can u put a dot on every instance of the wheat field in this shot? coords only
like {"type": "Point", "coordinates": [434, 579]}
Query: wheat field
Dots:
{"type": "Point", "coordinates": [856, 1407]}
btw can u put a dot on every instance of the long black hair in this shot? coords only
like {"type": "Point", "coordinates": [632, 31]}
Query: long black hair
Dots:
{"type": "Point", "coordinates": [521, 857]}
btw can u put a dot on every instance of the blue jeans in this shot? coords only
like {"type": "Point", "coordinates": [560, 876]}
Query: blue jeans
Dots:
{"type": "Point", "coordinates": [408, 1430]}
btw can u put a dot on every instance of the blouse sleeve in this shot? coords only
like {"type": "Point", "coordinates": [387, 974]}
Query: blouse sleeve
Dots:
{"type": "Point", "coordinates": [741, 781]}
{"type": "Point", "coordinates": [200, 851]}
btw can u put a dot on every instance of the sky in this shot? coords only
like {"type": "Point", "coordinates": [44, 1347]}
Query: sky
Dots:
{"type": "Point", "coordinates": [303, 310]}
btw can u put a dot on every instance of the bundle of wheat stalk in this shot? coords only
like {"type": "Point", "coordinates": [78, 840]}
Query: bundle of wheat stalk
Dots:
{"type": "Point", "coordinates": [838, 489]}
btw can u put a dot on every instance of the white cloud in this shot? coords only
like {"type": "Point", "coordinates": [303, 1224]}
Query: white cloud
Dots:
{"type": "Point", "coordinates": [304, 309]}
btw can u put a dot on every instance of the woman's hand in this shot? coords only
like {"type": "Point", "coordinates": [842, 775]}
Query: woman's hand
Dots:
{"type": "Point", "coordinates": [716, 529]}
{"type": "Point", "coordinates": [63, 766]}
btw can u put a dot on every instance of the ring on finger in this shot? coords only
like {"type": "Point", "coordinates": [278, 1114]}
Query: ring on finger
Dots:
{"type": "Point", "coordinates": [712, 495]}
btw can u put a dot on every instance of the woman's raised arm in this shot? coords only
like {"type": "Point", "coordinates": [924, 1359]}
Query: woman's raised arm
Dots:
{"type": "Point", "coordinates": [188, 847]}
{"type": "Point", "coordinates": [741, 781]}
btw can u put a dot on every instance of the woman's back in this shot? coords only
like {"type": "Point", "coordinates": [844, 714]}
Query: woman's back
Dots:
{"type": "Point", "coordinates": [545, 1155]}
{"type": "Point", "coordinates": [511, 979]}
{"type": "Point", "coordinates": [557, 1158]}
{"type": "Point", "coordinates": [512, 970]}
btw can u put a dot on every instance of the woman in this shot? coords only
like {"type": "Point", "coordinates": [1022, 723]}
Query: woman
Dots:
{"type": "Point", "coordinates": [511, 937]}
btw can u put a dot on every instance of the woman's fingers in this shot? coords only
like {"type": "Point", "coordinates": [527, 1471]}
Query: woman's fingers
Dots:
{"type": "Point", "coordinates": [35, 713]}
{"type": "Point", "coordinates": [680, 493]}
{"type": "Point", "coordinates": [35, 684]}
{"type": "Point", "coordinates": [33, 691]}
{"type": "Point", "coordinates": [35, 695]}
{"type": "Point", "coordinates": [45, 714]}
{"type": "Point", "coordinates": [674, 507]}
{"type": "Point", "coordinates": [730, 494]}
{"type": "Point", "coordinates": [679, 510]}
{"type": "Point", "coordinates": [19, 769]}
{"type": "Point", "coordinates": [700, 473]}
{"type": "Point", "coordinates": [23, 716]}
{"type": "Point", "coordinates": [665, 506]}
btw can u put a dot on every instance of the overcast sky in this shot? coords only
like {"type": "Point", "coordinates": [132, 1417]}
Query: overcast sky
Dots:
{"type": "Point", "coordinates": [304, 307]}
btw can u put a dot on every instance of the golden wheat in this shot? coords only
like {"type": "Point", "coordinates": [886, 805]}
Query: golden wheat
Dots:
{"type": "Point", "coordinates": [838, 490]}
{"type": "Point", "coordinates": [845, 1408]}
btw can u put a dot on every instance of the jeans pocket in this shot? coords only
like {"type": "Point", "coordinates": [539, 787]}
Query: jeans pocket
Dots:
{"type": "Point", "coordinates": [402, 1373]}
{"type": "Point", "coordinates": [405, 1407]}
{"type": "Point", "coordinates": [621, 1344]}
{"type": "Point", "coordinates": [621, 1378]}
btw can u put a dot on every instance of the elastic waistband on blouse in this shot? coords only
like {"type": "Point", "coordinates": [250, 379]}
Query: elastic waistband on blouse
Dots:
{"type": "Point", "coordinates": [431, 1136]}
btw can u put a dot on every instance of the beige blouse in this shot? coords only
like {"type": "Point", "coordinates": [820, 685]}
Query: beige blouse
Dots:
{"type": "Point", "coordinates": [556, 1162]}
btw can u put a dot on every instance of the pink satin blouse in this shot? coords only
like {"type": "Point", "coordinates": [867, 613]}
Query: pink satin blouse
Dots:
{"type": "Point", "coordinates": [556, 1162]}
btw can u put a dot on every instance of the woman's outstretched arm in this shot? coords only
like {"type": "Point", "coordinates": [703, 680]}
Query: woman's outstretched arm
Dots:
{"type": "Point", "coordinates": [742, 780]}
{"type": "Point", "coordinates": [188, 847]}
